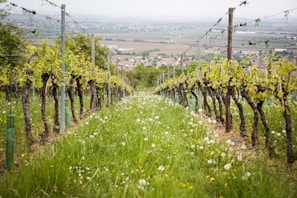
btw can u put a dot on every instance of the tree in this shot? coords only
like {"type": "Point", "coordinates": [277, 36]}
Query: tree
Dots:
{"type": "Point", "coordinates": [79, 43]}
{"type": "Point", "coordinates": [12, 48]}
{"type": "Point", "coordinates": [3, 13]}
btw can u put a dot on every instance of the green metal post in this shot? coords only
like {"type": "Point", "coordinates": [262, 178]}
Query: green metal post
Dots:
{"type": "Point", "coordinates": [67, 113]}
{"type": "Point", "coordinates": [192, 103]}
{"type": "Point", "coordinates": [177, 97]}
{"type": "Point", "coordinates": [269, 101]}
{"type": "Point", "coordinates": [10, 135]}
{"type": "Point", "coordinates": [294, 98]}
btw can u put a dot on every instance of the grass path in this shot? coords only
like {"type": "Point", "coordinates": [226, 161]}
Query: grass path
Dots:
{"type": "Point", "coordinates": [144, 146]}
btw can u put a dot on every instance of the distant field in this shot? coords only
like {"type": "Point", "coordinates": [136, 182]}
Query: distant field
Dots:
{"type": "Point", "coordinates": [179, 41]}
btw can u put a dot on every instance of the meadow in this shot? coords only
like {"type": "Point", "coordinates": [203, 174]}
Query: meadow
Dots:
{"type": "Point", "coordinates": [147, 146]}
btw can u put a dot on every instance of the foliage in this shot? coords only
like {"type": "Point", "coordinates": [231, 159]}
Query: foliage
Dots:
{"type": "Point", "coordinates": [142, 76]}
{"type": "Point", "coordinates": [3, 13]}
{"type": "Point", "coordinates": [79, 43]}
{"type": "Point", "coordinates": [277, 83]}
{"type": "Point", "coordinates": [12, 49]}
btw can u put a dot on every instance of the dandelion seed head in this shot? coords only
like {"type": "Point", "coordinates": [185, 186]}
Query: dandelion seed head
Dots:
{"type": "Point", "coordinates": [228, 141]}
{"type": "Point", "coordinates": [227, 166]}
{"type": "Point", "coordinates": [142, 182]}
{"type": "Point", "coordinates": [243, 147]}
{"type": "Point", "coordinates": [283, 131]}
{"type": "Point", "coordinates": [239, 157]}
{"type": "Point", "coordinates": [161, 168]}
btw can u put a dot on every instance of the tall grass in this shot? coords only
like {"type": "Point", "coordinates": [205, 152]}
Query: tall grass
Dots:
{"type": "Point", "coordinates": [145, 146]}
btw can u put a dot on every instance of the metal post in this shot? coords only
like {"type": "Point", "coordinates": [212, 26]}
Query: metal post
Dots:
{"type": "Point", "coordinates": [10, 136]}
{"type": "Point", "coordinates": [229, 56]}
{"type": "Point", "coordinates": [63, 67]}
{"type": "Point", "coordinates": [182, 63]}
{"type": "Point", "coordinates": [10, 131]}
{"type": "Point", "coordinates": [168, 74]}
{"type": "Point", "coordinates": [174, 71]}
{"type": "Point", "coordinates": [93, 50]}
{"type": "Point", "coordinates": [108, 76]}
{"type": "Point", "coordinates": [199, 77]}
{"type": "Point", "coordinates": [230, 30]}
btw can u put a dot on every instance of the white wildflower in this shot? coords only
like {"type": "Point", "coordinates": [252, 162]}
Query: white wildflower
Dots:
{"type": "Point", "coordinates": [272, 132]}
{"type": "Point", "coordinates": [161, 168]}
{"type": "Point", "coordinates": [142, 182]}
{"type": "Point", "coordinates": [227, 166]}
{"type": "Point", "coordinates": [246, 175]}
{"type": "Point", "coordinates": [283, 131]}
{"type": "Point", "coordinates": [243, 147]}
{"type": "Point", "coordinates": [239, 157]}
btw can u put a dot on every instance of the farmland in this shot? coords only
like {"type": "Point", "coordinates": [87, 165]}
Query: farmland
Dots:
{"type": "Point", "coordinates": [172, 36]}
{"type": "Point", "coordinates": [177, 40]}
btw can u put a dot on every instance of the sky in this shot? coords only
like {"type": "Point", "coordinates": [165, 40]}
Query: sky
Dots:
{"type": "Point", "coordinates": [156, 8]}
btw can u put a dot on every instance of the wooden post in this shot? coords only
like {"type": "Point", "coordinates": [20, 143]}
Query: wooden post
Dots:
{"type": "Point", "coordinates": [229, 57]}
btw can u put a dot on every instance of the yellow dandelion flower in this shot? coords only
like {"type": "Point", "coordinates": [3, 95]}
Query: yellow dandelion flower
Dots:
{"type": "Point", "coordinates": [190, 187]}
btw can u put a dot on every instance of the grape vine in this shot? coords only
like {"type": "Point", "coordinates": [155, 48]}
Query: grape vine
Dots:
{"type": "Point", "coordinates": [247, 84]}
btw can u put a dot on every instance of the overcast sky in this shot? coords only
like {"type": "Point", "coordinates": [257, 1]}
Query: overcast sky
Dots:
{"type": "Point", "coordinates": [183, 8]}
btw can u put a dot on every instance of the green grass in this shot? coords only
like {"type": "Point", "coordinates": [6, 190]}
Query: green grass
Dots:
{"type": "Point", "coordinates": [145, 146]}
